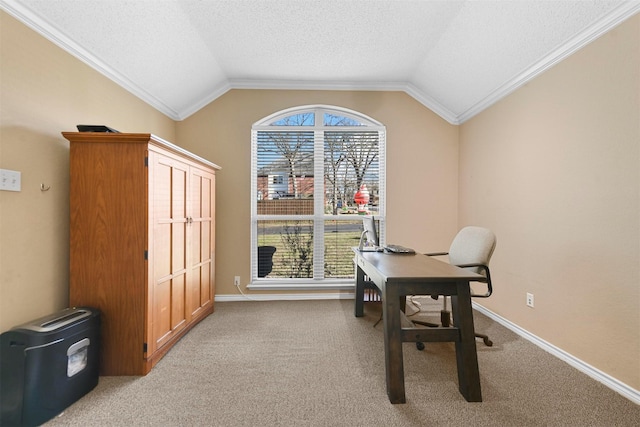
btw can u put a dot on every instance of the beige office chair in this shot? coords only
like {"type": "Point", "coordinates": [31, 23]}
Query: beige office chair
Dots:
{"type": "Point", "coordinates": [471, 248]}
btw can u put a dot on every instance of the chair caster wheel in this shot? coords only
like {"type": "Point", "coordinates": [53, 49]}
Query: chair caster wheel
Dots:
{"type": "Point", "coordinates": [420, 346]}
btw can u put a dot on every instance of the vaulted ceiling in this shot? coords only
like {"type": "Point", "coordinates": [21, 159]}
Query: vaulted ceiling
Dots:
{"type": "Point", "coordinates": [455, 57]}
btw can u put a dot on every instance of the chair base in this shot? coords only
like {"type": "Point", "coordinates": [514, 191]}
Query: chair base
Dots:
{"type": "Point", "coordinates": [485, 339]}
{"type": "Point", "coordinates": [445, 321]}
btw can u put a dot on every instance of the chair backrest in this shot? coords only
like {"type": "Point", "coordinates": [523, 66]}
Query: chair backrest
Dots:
{"type": "Point", "coordinates": [472, 245]}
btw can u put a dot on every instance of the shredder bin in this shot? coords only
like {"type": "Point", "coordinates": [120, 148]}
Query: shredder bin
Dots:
{"type": "Point", "coordinates": [48, 364]}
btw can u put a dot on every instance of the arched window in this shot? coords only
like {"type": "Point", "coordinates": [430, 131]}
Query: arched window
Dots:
{"type": "Point", "coordinates": [307, 164]}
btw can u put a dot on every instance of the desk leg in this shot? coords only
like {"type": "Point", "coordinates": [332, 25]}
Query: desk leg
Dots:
{"type": "Point", "coordinates": [466, 355]}
{"type": "Point", "coordinates": [359, 303]}
{"type": "Point", "coordinates": [393, 344]}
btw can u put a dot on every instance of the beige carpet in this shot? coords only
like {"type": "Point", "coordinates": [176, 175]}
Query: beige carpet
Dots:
{"type": "Point", "coordinates": [312, 363]}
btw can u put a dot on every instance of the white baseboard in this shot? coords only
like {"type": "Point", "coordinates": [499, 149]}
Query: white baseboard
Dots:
{"type": "Point", "coordinates": [282, 297]}
{"type": "Point", "coordinates": [614, 384]}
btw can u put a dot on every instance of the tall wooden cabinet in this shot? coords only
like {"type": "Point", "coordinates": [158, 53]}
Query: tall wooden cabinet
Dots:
{"type": "Point", "coordinates": [142, 233]}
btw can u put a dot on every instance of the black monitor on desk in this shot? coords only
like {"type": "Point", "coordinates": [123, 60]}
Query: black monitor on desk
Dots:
{"type": "Point", "coordinates": [369, 235]}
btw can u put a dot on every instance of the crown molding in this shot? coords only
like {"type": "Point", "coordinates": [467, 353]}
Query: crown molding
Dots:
{"type": "Point", "coordinates": [408, 88]}
{"type": "Point", "coordinates": [608, 22]}
{"type": "Point", "coordinates": [203, 102]}
{"type": "Point", "coordinates": [316, 85]}
{"type": "Point", "coordinates": [51, 33]}
{"type": "Point", "coordinates": [431, 104]}
{"type": "Point", "coordinates": [599, 28]}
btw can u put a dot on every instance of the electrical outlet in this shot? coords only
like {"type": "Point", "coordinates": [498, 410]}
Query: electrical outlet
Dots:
{"type": "Point", "coordinates": [530, 300]}
{"type": "Point", "coordinates": [236, 281]}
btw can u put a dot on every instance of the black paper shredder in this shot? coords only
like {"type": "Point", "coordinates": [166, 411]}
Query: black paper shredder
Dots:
{"type": "Point", "coordinates": [48, 364]}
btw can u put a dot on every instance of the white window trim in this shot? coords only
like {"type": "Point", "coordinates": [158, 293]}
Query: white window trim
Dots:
{"type": "Point", "coordinates": [318, 218]}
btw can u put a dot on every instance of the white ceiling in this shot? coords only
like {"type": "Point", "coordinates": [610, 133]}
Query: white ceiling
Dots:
{"type": "Point", "coordinates": [455, 57]}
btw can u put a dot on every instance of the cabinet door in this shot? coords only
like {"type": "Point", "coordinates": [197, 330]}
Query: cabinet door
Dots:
{"type": "Point", "coordinates": [201, 231]}
{"type": "Point", "coordinates": [168, 182]}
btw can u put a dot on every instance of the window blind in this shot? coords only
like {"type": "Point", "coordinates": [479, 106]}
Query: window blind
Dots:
{"type": "Point", "coordinates": [314, 173]}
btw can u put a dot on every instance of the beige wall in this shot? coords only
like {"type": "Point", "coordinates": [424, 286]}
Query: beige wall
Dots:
{"type": "Point", "coordinates": [46, 91]}
{"type": "Point", "coordinates": [422, 167]}
{"type": "Point", "coordinates": [554, 170]}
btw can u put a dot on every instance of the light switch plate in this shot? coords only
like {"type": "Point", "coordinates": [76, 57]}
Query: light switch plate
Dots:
{"type": "Point", "coordinates": [9, 180]}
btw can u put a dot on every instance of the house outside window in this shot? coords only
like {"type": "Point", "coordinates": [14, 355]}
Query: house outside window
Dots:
{"type": "Point", "coordinates": [316, 170]}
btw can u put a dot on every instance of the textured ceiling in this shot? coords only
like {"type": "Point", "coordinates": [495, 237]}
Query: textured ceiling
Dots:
{"type": "Point", "coordinates": [455, 57]}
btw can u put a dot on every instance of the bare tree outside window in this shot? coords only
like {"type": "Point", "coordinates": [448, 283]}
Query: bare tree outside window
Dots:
{"type": "Point", "coordinates": [287, 191]}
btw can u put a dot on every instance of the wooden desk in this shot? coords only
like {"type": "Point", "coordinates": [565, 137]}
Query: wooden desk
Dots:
{"type": "Point", "coordinates": [400, 275]}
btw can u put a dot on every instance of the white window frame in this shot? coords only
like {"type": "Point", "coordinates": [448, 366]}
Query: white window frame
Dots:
{"type": "Point", "coordinates": [318, 218]}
